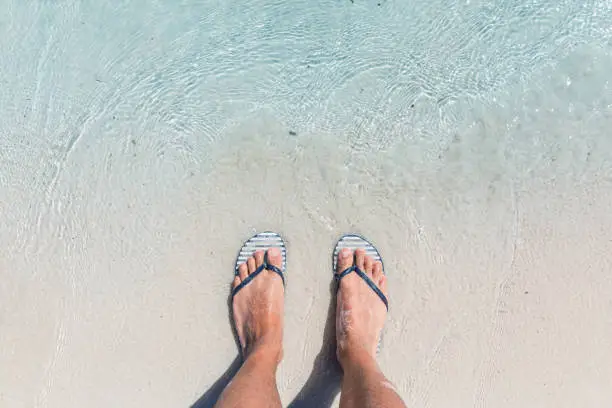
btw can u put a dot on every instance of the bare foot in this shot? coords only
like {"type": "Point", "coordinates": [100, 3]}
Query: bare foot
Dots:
{"type": "Point", "coordinates": [258, 307]}
{"type": "Point", "coordinates": [360, 314]}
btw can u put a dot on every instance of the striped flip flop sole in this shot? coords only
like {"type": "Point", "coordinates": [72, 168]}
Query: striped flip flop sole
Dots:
{"type": "Point", "coordinates": [353, 242]}
{"type": "Point", "coordinates": [261, 242]}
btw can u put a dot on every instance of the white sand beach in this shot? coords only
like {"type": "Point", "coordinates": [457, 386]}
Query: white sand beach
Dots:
{"type": "Point", "coordinates": [138, 152]}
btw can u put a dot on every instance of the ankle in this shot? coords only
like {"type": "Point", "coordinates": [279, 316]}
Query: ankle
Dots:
{"type": "Point", "coordinates": [355, 357]}
{"type": "Point", "coordinates": [263, 351]}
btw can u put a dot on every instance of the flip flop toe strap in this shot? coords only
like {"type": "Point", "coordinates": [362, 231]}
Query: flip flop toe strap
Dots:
{"type": "Point", "coordinates": [264, 266]}
{"type": "Point", "coordinates": [367, 280]}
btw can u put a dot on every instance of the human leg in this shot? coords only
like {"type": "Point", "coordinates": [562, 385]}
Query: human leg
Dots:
{"type": "Point", "coordinates": [360, 318]}
{"type": "Point", "coordinates": [257, 312]}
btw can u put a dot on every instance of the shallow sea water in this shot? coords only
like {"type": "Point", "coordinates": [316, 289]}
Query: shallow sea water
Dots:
{"type": "Point", "coordinates": [142, 142]}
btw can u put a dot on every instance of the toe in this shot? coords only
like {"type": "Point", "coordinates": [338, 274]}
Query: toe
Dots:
{"type": "Point", "coordinates": [382, 284]}
{"type": "Point", "coordinates": [345, 260]}
{"type": "Point", "coordinates": [259, 258]}
{"type": "Point", "coordinates": [377, 272]}
{"type": "Point", "coordinates": [236, 282]}
{"type": "Point", "coordinates": [251, 264]}
{"type": "Point", "coordinates": [369, 263]}
{"type": "Point", "coordinates": [360, 258]}
{"type": "Point", "coordinates": [243, 271]}
{"type": "Point", "coordinates": [274, 257]}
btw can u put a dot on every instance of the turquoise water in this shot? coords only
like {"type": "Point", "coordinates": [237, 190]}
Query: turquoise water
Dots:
{"type": "Point", "coordinates": [141, 138]}
{"type": "Point", "coordinates": [378, 74]}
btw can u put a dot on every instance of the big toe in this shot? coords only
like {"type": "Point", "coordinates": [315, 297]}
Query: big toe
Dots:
{"type": "Point", "coordinates": [275, 257]}
{"type": "Point", "coordinates": [345, 260]}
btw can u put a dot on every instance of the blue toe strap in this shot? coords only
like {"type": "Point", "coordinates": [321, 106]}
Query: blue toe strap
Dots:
{"type": "Point", "coordinates": [262, 267]}
{"type": "Point", "coordinates": [367, 280]}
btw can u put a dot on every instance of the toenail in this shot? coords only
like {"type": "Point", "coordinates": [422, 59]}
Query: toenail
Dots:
{"type": "Point", "coordinates": [273, 252]}
{"type": "Point", "coordinates": [345, 253]}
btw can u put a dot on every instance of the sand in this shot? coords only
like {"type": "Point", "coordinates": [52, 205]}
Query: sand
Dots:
{"type": "Point", "coordinates": [499, 299]}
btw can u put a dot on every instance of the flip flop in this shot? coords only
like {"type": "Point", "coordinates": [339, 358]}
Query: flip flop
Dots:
{"type": "Point", "coordinates": [262, 241]}
{"type": "Point", "coordinates": [353, 242]}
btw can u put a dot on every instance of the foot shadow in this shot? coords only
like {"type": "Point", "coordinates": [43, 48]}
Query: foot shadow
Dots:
{"type": "Point", "coordinates": [210, 397]}
{"type": "Point", "coordinates": [323, 384]}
